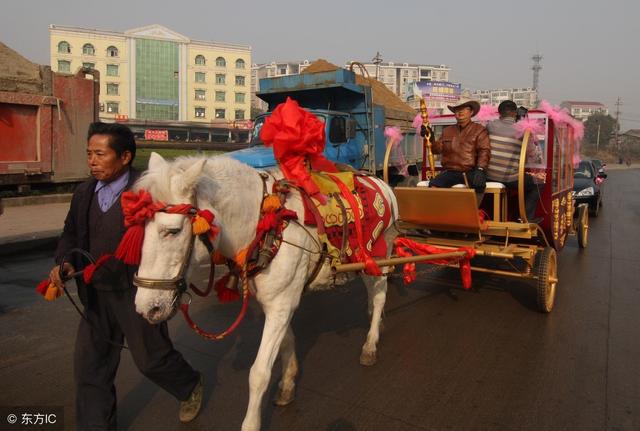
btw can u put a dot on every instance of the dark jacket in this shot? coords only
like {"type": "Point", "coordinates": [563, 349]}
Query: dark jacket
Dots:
{"type": "Point", "coordinates": [465, 148]}
{"type": "Point", "coordinates": [76, 229]}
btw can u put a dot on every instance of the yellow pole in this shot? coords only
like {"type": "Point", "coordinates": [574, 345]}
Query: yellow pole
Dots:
{"type": "Point", "coordinates": [426, 141]}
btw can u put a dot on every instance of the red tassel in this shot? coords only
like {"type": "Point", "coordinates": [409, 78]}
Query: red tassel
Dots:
{"type": "Point", "coordinates": [224, 294]}
{"type": "Point", "coordinates": [370, 266]}
{"type": "Point", "coordinates": [465, 273]}
{"type": "Point", "coordinates": [130, 248]}
{"type": "Point", "coordinates": [42, 286]}
{"type": "Point", "coordinates": [89, 270]}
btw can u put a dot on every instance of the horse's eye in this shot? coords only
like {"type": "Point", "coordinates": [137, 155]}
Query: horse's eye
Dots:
{"type": "Point", "coordinates": [169, 231]}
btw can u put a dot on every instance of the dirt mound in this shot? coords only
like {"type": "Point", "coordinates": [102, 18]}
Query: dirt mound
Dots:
{"type": "Point", "coordinates": [18, 74]}
{"type": "Point", "coordinates": [381, 94]}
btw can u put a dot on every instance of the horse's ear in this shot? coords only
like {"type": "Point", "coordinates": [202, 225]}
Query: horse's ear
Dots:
{"type": "Point", "coordinates": [192, 174]}
{"type": "Point", "coordinates": [156, 161]}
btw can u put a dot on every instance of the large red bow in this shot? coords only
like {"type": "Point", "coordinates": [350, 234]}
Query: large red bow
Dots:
{"type": "Point", "coordinates": [297, 137]}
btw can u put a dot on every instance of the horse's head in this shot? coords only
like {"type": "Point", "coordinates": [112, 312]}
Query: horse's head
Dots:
{"type": "Point", "coordinates": [170, 244]}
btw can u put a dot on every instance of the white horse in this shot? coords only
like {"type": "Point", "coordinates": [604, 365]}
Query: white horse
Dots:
{"type": "Point", "coordinates": [233, 191]}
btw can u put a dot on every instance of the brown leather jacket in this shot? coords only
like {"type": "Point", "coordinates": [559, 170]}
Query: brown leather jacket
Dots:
{"type": "Point", "coordinates": [463, 149]}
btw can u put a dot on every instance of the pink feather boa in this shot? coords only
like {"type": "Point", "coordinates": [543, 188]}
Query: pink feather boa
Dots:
{"type": "Point", "coordinates": [562, 118]}
{"type": "Point", "coordinates": [395, 136]}
{"type": "Point", "coordinates": [536, 127]}
{"type": "Point", "coordinates": [487, 113]}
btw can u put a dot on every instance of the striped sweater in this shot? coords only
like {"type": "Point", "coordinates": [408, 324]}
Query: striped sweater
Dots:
{"type": "Point", "coordinates": [505, 150]}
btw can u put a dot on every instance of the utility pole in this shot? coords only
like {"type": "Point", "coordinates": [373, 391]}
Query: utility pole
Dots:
{"type": "Point", "coordinates": [377, 60]}
{"type": "Point", "coordinates": [617, 129]}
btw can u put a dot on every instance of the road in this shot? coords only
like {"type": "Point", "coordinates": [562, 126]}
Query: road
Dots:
{"type": "Point", "coordinates": [486, 361]}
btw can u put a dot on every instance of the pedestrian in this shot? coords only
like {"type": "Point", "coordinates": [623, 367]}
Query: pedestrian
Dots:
{"type": "Point", "coordinates": [505, 156]}
{"type": "Point", "coordinates": [465, 150]}
{"type": "Point", "coordinates": [95, 223]}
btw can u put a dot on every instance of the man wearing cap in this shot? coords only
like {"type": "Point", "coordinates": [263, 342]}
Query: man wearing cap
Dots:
{"type": "Point", "coordinates": [465, 150]}
{"type": "Point", "coordinates": [505, 156]}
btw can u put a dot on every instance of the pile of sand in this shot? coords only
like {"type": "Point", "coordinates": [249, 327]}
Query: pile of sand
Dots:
{"type": "Point", "coordinates": [381, 94]}
{"type": "Point", "coordinates": [17, 74]}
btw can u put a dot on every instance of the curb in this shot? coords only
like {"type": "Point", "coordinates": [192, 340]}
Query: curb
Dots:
{"type": "Point", "coordinates": [20, 243]}
{"type": "Point", "coordinates": [37, 200]}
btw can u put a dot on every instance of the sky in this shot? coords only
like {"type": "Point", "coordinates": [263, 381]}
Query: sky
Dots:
{"type": "Point", "coordinates": [589, 48]}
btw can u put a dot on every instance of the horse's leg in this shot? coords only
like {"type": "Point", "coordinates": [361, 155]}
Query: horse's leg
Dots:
{"type": "Point", "coordinates": [275, 328]}
{"type": "Point", "coordinates": [287, 385]}
{"type": "Point", "coordinates": [377, 291]}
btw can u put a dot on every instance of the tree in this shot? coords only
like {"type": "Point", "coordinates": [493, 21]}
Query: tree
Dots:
{"type": "Point", "coordinates": [607, 125]}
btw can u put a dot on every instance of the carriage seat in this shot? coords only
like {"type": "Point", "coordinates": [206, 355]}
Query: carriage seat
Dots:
{"type": "Point", "coordinates": [499, 192]}
{"type": "Point", "coordinates": [452, 210]}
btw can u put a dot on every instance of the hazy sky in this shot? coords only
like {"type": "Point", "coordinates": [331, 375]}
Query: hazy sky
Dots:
{"type": "Point", "coordinates": [590, 47]}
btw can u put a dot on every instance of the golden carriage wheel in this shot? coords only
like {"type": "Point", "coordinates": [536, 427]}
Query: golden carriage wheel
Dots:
{"type": "Point", "coordinates": [546, 272]}
{"type": "Point", "coordinates": [583, 228]}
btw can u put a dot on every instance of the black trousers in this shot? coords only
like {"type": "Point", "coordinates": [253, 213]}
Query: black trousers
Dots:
{"type": "Point", "coordinates": [113, 317]}
{"type": "Point", "coordinates": [531, 194]}
{"type": "Point", "coordinates": [450, 178]}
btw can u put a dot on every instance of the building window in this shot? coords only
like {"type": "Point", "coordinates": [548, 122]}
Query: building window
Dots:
{"type": "Point", "coordinates": [200, 95]}
{"type": "Point", "coordinates": [239, 114]}
{"type": "Point", "coordinates": [220, 113]}
{"type": "Point", "coordinates": [64, 47]}
{"type": "Point", "coordinates": [112, 89]}
{"type": "Point", "coordinates": [221, 62]}
{"type": "Point", "coordinates": [219, 96]}
{"type": "Point", "coordinates": [239, 97]}
{"type": "Point", "coordinates": [220, 78]}
{"type": "Point", "coordinates": [200, 112]}
{"type": "Point", "coordinates": [112, 51]}
{"type": "Point", "coordinates": [239, 63]}
{"type": "Point", "coordinates": [112, 107]}
{"type": "Point", "coordinates": [283, 71]}
{"type": "Point", "coordinates": [240, 80]}
{"type": "Point", "coordinates": [200, 76]}
{"type": "Point", "coordinates": [89, 65]}
{"type": "Point", "coordinates": [64, 66]}
{"type": "Point", "coordinates": [88, 49]}
{"type": "Point", "coordinates": [112, 70]}
{"type": "Point", "coordinates": [200, 61]}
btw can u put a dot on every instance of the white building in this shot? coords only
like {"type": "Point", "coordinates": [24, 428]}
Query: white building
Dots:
{"type": "Point", "coordinates": [527, 97]}
{"type": "Point", "coordinates": [270, 70]}
{"type": "Point", "coordinates": [583, 110]}
{"type": "Point", "coordinates": [399, 76]}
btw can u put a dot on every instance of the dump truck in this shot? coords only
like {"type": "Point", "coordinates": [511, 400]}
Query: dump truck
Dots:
{"type": "Point", "coordinates": [355, 109]}
{"type": "Point", "coordinates": [44, 117]}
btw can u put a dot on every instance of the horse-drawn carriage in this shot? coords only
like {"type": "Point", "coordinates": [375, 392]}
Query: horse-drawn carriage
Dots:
{"type": "Point", "coordinates": [449, 218]}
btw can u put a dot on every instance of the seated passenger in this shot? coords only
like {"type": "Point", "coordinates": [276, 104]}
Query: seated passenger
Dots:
{"type": "Point", "coordinates": [465, 150]}
{"type": "Point", "coordinates": [505, 156]}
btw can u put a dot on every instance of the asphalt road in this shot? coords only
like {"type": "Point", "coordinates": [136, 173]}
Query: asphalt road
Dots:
{"type": "Point", "coordinates": [486, 361]}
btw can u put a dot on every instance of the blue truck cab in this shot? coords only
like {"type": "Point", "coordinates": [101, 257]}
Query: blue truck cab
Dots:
{"type": "Point", "coordinates": [354, 122]}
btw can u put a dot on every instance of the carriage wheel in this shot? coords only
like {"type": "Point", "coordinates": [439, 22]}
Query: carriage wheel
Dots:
{"type": "Point", "coordinates": [583, 228]}
{"type": "Point", "coordinates": [546, 271]}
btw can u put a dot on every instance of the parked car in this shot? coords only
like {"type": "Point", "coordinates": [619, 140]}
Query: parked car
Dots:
{"type": "Point", "coordinates": [588, 186]}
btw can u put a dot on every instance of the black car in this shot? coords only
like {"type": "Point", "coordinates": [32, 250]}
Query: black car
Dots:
{"type": "Point", "coordinates": [588, 186]}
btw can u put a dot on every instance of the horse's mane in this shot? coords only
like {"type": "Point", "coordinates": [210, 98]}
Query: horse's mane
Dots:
{"type": "Point", "coordinates": [217, 171]}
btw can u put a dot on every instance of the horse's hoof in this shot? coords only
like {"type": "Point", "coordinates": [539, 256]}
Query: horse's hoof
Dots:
{"type": "Point", "coordinates": [368, 358]}
{"type": "Point", "coordinates": [284, 397]}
